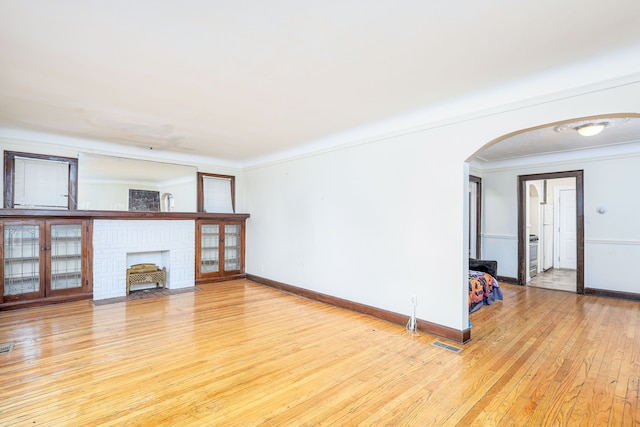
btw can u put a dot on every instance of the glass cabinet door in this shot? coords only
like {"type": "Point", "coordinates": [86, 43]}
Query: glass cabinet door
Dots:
{"type": "Point", "coordinates": [66, 256]}
{"type": "Point", "coordinates": [231, 247]}
{"type": "Point", "coordinates": [42, 259]}
{"type": "Point", "coordinates": [219, 249]}
{"type": "Point", "coordinates": [210, 248]}
{"type": "Point", "coordinates": [22, 262]}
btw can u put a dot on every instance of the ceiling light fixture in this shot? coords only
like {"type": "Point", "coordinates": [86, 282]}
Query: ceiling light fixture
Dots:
{"type": "Point", "coordinates": [591, 129]}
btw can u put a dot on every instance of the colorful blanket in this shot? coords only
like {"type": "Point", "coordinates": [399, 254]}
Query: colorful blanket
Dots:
{"type": "Point", "coordinates": [483, 290]}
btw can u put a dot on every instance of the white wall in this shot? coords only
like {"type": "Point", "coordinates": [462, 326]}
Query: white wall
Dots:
{"type": "Point", "coordinates": [364, 223]}
{"type": "Point", "coordinates": [381, 220]}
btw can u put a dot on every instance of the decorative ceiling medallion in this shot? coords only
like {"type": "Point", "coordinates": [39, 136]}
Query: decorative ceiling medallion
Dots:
{"type": "Point", "coordinates": [574, 126]}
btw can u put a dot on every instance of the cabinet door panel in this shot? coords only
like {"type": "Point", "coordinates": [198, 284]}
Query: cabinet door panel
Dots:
{"type": "Point", "coordinates": [232, 247]}
{"type": "Point", "coordinates": [22, 263]}
{"type": "Point", "coordinates": [209, 248]}
{"type": "Point", "coordinates": [66, 256]}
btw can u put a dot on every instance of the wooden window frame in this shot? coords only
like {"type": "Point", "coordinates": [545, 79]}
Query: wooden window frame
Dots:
{"type": "Point", "coordinates": [201, 175]}
{"type": "Point", "coordinates": [9, 173]}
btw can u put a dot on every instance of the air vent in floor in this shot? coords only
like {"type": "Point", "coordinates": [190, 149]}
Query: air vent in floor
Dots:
{"type": "Point", "coordinates": [6, 347]}
{"type": "Point", "coordinates": [447, 346]}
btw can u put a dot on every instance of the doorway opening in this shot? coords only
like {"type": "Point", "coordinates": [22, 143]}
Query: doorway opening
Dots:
{"type": "Point", "coordinates": [551, 230]}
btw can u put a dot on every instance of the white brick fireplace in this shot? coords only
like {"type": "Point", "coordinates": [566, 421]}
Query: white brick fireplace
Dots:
{"type": "Point", "coordinates": [115, 240]}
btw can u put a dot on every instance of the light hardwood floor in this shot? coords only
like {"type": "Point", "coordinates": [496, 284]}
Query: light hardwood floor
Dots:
{"type": "Point", "coordinates": [239, 353]}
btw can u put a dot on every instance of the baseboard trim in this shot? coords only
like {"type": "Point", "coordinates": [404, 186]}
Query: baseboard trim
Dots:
{"type": "Point", "coordinates": [511, 280]}
{"type": "Point", "coordinates": [455, 335]}
{"type": "Point", "coordinates": [14, 305]}
{"type": "Point", "coordinates": [204, 281]}
{"type": "Point", "coordinates": [612, 294]}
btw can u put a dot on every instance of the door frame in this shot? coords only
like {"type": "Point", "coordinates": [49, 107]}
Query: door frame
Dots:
{"type": "Point", "coordinates": [523, 239]}
{"type": "Point", "coordinates": [478, 205]}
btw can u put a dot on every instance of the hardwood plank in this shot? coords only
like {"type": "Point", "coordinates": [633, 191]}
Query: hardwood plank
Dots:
{"type": "Point", "coordinates": [525, 383]}
{"type": "Point", "coordinates": [241, 353]}
{"type": "Point", "coordinates": [621, 406]}
{"type": "Point", "coordinates": [547, 391]}
{"type": "Point", "coordinates": [570, 358]}
{"type": "Point", "coordinates": [586, 405]}
{"type": "Point", "coordinates": [579, 362]}
{"type": "Point", "coordinates": [632, 402]}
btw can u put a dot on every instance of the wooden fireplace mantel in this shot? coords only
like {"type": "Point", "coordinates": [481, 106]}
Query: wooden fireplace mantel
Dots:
{"type": "Point", "coordinates": [119, 215]}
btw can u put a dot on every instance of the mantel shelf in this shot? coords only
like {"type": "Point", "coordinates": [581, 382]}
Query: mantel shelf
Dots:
{"type": "Point", "coordinates": [26, 214]}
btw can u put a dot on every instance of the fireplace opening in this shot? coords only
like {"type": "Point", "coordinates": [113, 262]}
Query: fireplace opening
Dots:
{"type": "Point", "coordinates": [146, 274]}
{"type": "Point", "coordinates": [147, 270]}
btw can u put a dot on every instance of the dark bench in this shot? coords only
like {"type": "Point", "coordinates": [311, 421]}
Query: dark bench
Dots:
{"type": "Point", "coordinates": [486, 266]}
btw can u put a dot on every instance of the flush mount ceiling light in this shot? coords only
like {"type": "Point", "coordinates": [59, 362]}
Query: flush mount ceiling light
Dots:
{"type": "Point", "coordinates": [591, 127]}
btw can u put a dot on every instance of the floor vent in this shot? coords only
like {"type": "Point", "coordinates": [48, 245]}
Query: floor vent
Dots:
{"type": "Point", "coordinates": [447, 346]}
{"type": "Point", "coordinates": [6, 347]}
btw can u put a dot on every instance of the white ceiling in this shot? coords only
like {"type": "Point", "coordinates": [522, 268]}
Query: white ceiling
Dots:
{"type": "Point", "coordinates": [243, 80]}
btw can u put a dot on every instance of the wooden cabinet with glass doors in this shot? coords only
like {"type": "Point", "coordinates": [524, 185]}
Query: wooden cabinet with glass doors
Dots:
{"type": "Point", "coordinates": [44, 260]}
{"type": "Point", "coordinates": [219, 249]}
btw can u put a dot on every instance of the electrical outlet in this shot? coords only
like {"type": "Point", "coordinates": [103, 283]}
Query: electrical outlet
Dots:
{"type": "Point", "coordinates": [414, 300]}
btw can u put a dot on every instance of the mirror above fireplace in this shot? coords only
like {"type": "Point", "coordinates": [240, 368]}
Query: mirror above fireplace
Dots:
{"type": "Point", "coordinates": [104, 182]}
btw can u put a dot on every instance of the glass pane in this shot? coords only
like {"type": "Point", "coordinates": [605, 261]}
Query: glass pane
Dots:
{"type": "Point", "coordinates": [231, 247]}
{"type": "Point", "coordinates": [66, 256]}
{"type": "Point", "coordinates": [21, 259]}
{"type": "Point", "coordinates": [209, 248]}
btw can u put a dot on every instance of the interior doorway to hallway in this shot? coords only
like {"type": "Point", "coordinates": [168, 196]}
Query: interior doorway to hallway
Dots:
{"type": "Point", "coordinates": [551, 230]}
{"type": "Point", "coordinates": [475, 211]}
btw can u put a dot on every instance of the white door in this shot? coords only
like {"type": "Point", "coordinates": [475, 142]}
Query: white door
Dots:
{"type": "Point", "coordinates": [547, 237]}
{"type": "Point", "coordinates": [567, 253]}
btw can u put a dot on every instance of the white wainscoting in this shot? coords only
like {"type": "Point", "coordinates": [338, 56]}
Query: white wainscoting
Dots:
{"type": "Point", "coordinates": [114, 239]}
